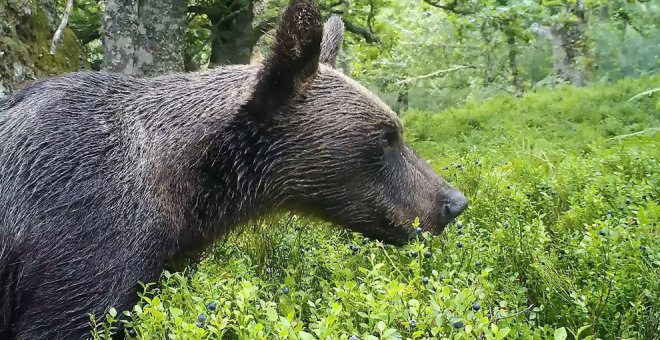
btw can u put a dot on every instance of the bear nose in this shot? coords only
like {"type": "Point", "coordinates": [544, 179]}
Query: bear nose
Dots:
{"type": "Point", "coordinates": [457, 203]}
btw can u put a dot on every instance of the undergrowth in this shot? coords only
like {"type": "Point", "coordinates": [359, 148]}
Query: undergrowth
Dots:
{"type": "Point", "coordinates": [561, 240]}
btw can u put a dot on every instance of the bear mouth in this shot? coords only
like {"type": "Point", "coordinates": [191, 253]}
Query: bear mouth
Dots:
{"type": "Point", "coordinates": [396, 234]}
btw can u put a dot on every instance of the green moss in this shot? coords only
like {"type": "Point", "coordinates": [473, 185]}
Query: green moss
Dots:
{"type": "Point", "coordinates": [67, 56]}
{"type": "Point", "coordinates": [28, 45]}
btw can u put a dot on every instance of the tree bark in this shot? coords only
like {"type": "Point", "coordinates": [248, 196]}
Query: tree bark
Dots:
{"type": "Point", "coordinates": [571, 52]}
{"type": "Point", "coordinates": [120, 22]}
{"type": "Point", "coordinates": [145, 37]}
{"type": "Point", "coordinates": [402, 99]}
{"type": "Point", "coordinates": [161, 38]}
{"type": "Point", "coordinates": [513, 57]}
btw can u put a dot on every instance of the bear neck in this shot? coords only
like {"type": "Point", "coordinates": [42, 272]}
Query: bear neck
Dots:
{"type": "Point", "coordinates": [222, 180]}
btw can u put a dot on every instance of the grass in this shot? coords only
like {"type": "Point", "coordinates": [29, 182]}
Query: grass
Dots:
{"type": "Point", "coordinates": [562, 240]}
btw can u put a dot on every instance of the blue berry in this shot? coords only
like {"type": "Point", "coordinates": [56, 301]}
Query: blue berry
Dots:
{"type": "Point", "coordinates": [478, 263]}
{"type": "Point", "coordinates": [459, 324]}
{"type": "Point", "coordinates": [602, 232]}
{"type": "Point", "coordinates": [506, 223]}
{"type": "Point", "coordinates": [642, 247]}
{"type": "Point", "coordinates": [414, 254]}
{"type": "Point", "coordinates": [285, 290]}
{"type": "Point", "coordinates": [201, 318]}
{"type": "Point", "coordinates": [425, 280]}
{"type": "Point", "coordinates": [460, 232]}
{"type": "Point", "coordinates": [476, 306]}
{"type": "Point", "coordinates": [459, 224]}
{"type": "Point", "coordinates": [413, 323]}
{"type": "Point", "coordinates": [418, 230]}
{"type": "Point", "coordinates": [200, 324]}
{"type": "Point", "coordinates": [428, 254]}
{"type": "Point", "coordinates": [356, 249]}
{"type": "Point", "coordinates": [442, 277]}
{"type": "Point", "coordinates": [212, 306]}
{"type": "Point", "coordinates": [459, 244]}
{"type": "Point", "coordinates": [132, 333]}
{"type": "Point", "coordinates": [353, 337]}
{"type": "Point", "coordinates": [628, 201]}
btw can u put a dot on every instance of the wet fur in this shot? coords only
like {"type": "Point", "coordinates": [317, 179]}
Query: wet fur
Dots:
{"type": "Point", "coordinates": [105, 178]}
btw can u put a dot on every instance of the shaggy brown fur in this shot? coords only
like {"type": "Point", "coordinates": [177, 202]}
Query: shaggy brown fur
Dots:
{"type": "Point", "coordinates": [104, 178]}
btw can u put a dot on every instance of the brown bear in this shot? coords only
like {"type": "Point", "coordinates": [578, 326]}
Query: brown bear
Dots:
{"type": "Point", "coordinates": [104, 178]}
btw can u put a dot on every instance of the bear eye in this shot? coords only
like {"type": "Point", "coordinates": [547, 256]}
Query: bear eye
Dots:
{"type": "Point", "coordinates": [389, 139]}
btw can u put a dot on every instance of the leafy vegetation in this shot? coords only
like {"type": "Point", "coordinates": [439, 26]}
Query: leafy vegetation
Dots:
{"type": "Point", "coordinates": [560, 241]}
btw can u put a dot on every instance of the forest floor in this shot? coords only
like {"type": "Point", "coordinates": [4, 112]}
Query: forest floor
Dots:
{"type": "Point", "coordinates": [561, 240]}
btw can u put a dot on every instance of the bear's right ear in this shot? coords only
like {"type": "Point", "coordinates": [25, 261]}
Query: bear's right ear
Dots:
{"type": "Point", "coordinates": [333, 36]}
{"type": "Point", "coordinates": [293, 60]}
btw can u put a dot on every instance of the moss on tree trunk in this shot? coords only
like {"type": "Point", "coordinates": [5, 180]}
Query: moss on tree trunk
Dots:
{"type": "Point", "coordinates": [26, 30]}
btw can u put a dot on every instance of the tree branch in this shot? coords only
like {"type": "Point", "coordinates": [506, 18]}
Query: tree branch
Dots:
{"type": "Point", "coordinates": [625, 18]}
{"type": "Point", "coordinates": [435, 73]}
{"type": "Point", "coordinates": [365, 33]}
{"type": "Point", "coordinates": [199, 10]}
{"type": "Point", "coordinates": [449, 7]}
{"type": "Point", "coordinates": [337, 3]}
{"type": "Point", "coordinates": [370, 17]}
{"type": "Point", "coordinates": [60, 29]}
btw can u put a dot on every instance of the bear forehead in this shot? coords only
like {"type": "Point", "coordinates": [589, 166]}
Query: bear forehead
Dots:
{"type": "Point", "coordinates": [378, 110]}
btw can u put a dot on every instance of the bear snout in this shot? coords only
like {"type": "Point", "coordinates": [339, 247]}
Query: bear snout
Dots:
{"type": "Point", "coordinates": [456, 204]}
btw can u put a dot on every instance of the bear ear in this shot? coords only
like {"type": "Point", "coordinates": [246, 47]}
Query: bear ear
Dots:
{"type": "Point", "coordinates": [333, 36]}
{"type": "Point", "coordinates": [293, 60]}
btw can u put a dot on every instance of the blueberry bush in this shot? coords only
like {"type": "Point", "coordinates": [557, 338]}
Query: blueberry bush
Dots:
{"type": "Point", "coordinates": [561, 240]}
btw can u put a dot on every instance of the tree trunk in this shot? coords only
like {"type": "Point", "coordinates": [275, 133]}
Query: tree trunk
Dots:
{"type": "Point", "coordinates": [402, 100]}
{"type": "Point", "coordinates": [161, 36]}
{"type": "Point", "coordinates": [26, 31]}
{"type": "Point", "coordinates": [120, 22]}
{"type": "Point", "coordinates": [234, 37]}
{"type": "Point", "coordinates": [571, 51]}
{"type": "Point", "coordinates": [513, 58]}
{"type": "Point", "coordinates": [145, 37]}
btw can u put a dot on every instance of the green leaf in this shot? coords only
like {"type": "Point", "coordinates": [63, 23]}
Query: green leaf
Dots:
{"type": "Point", "coordinates": [502, 333]}
{"type": "Point", "coordinates": [305, 336]}
{"type": "Point", "coordinates": [271, 314]}
{"type": "Point", "coordinates": [560, 333]}
{"type": "Point", "coordinates": [582, 329]}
